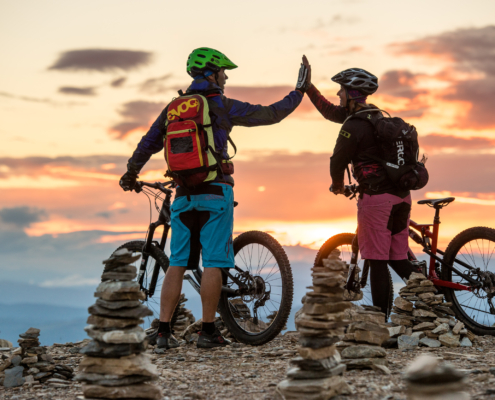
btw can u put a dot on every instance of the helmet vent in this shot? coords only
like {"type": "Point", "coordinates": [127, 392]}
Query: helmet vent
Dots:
{"type": "Point", "coordinates": [201, 55]}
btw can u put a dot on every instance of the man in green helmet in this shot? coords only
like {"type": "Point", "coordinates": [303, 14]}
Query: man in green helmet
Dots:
{"type": "Point", "coordinates": [202, 219]}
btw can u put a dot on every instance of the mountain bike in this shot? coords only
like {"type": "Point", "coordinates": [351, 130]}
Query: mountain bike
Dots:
{"type": "Point", "coordinates": [257, 288]}
{"type": "Point", "coordinates": [463, 272]}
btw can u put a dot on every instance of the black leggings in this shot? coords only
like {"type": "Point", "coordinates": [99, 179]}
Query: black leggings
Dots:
{"type": "Point", "coordinates": [380, 285]}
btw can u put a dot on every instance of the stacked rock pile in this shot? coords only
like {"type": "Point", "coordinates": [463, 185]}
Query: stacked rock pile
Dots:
{"type": "Point", "coordinates": [317, 371]}
{"type": "Point", "coordinates": [114, 366]}
{"type": "Point", "coordinates": [428, 379]}
{"type": "Point", "coordinates": [185, 317]}
{"type": "Point", "coordinates": [33, 365]}
{"type": "Point", "coordinates": [422, 317]}
{"type": "Point", "coordinates": [361, 348]}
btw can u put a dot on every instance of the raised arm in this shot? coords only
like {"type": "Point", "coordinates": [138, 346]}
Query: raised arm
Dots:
{"type": "Point", "coordinates": [246, 114]}
{"type": "Point", "coordinates": [328, 110]}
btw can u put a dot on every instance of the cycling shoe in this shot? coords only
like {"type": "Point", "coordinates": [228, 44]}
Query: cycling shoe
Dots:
{"type": "Point", "coordinates": [206, 341]}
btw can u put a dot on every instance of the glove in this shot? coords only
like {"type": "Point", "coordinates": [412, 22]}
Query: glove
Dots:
{"type": "Point", "coordinates": [337, 189]}
{"type": "Point", "coordinates": [128, 180]}
{"type": "Point", "coordinates": [302, 80]}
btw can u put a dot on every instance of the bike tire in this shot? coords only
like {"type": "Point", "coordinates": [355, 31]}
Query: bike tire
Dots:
{"type": "Point", "coordinates": [451, 295]}
{"type": "Point", "coordinates": [162, 260]}
{"type": "Point", "coordinates": [276, 326]}
{"type": "Point", "coordinates": [345, 239]}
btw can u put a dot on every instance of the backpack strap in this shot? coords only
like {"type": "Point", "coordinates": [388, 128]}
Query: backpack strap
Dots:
{"type": "Point", "coordinates": [364, 111]}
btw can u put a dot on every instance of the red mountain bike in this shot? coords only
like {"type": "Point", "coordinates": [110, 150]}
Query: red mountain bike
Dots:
{"type": "Point", "coordinates": [464, 272]}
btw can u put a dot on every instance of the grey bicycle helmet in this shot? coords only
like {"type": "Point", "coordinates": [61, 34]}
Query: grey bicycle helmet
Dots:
{"type": "Point", "coordinates": [357, 79]}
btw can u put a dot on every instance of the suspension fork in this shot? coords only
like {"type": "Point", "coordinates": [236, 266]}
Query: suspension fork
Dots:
{"type": "Point", "coordinates": [144, 262]}
{"type": "Point", "coordinates": [351, 283]}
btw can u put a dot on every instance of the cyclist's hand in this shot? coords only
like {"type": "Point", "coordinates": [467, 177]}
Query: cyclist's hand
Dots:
{"type": "Point", "coordinates": [128, 181]}
{"type": "Point", "coordinates": [308, 66]}
{"type": "Point", "coordinates": [302, 80]}
{"type": "Point", "coordinates": [337, 189]}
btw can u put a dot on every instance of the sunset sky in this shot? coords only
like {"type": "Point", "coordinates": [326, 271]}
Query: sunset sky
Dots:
{"type": "Point", "coordinates": [81, 81]}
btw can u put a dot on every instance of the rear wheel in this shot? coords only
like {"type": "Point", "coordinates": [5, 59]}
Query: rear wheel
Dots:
{"type": "Point", "coordinates": [158, 260]}
{"type": "Point", "coordinates": [258, 316]}
{"type": "Point", "coordinates": [476, 248]}
{"type": "Point", "coordinates": [343, 242]}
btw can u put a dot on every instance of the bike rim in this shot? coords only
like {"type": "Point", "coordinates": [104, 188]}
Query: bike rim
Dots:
{"type": "Point", "coordinates": [263, 266]}
{"type": "Point", "coordinates": [345, 255]}
{"type": "Point", "coordinates": [477, 253]}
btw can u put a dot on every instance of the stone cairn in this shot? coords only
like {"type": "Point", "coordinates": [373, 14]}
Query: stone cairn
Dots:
{"type": "Point", "coordinates": [114, 365]}
{"type": "Point", "coordinates": [31, 364]}
{"type": "Point", "coordinates": [185, 318]}
{"type": "Point", "coordinates": [361, 348]}
{"type": "Point", "coordinates": [422, 317]}
{"type": "Point", "coordinates": [317, 371]}
{"type": "Point", "coordinates": [429, 379]}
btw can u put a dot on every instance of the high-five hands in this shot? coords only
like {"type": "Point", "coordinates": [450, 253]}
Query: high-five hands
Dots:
{"type": "Point", "coordinates": [304, 78]}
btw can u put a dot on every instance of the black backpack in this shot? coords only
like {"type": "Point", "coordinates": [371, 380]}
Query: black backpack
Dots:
{"type": "Point", "coordinates": [399, 149]}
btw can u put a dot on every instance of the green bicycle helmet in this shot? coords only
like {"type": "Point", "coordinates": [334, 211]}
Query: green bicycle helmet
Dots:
{"type": "Point", "coordinates": [205, 58]}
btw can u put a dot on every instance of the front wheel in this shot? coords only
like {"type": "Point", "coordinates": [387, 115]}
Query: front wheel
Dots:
{"type": "Point", "coordinates": [260, 313]}
{"type": "Point", "coordinates": [343, 242]}
{"type": "Point", "coordinates": [474, 247]}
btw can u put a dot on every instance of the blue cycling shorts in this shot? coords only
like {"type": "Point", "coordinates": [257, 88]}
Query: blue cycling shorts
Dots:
{"type": "Point", "coordinates": [203, 224]}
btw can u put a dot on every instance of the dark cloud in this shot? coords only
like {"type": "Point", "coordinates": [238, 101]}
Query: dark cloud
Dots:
{"type": "Point", "coordinates": [22, 217]}
{"type": "Point", "coordinates": [101, 60]}
{"type": "Point", "coordinates": [79, 91]}
{"type": "Point", "coordinates": [118, 82]}
{"type": "Point", "coordinates": [470, 51]}
{"type": "Point", "coordinates": [400, 84]}
{"type": "Point", "coordinates": [437, 142]}
{"type": "Point", "coordinates": [137, 115]}
{"type": "Point", "coordinates": [155, 85]}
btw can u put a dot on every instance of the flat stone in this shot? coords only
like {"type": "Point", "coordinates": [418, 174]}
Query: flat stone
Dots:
{"type": "Point", "coordinates": [117, 276]}
{"type": "Point", "coordinates": [96, 348]}
{"type": "Point", "coordinates": [422, 305]}
{"type": "Point", "coordinates": [43, 366]}
{"type": "Point", "coordinates": [117, 287]}
{"type": "Point", "coordinates": [105, 323]}
{"type": "Point", "coordinates": [321, 332]}
{"type": "Point", "coordinates": [312, 323]}
{"type": "Point", "coordinates": [416, 276]}
{"type": "Point", "coordinates": [125, 366]}
{"type": "Point", "coordinates": [111, 380]}
{"type": "Point", "coordinates": [317, 354]}
{"type": "Point", "coordinates": [374, 317]}
{"type": "Point", "coordinates": [313, 389]}
{"type": "Point", "coordinates": [465, 342]}
{"type": "Point", "coordinates": [13, 377]}
{"type": "Point", "coordinates": [29, 360]}
{"type": "Point", "coordinates": [457, 327]}
{"type": "Point", "coordinates": [5, 344]}
{"type": "Point", "coordinates": [30, 333]}
{"type": "Point", "coordinates": [121, 257]}
{"type": "Point", "coordinates": [426, 283]}
{"type": "Point", "coordinates": [364, 363]}
{"type": "Point", "coordinates": [403, 320]}
{"type": "Point", "coordinates": [403, 304]}
{"type": "Point", "coordinates": [128, 269]}
{"type": "Point", "coordinates": [41, 375]}
{"type": "Point", "coordinates": [334, 265]}
{"type": "Point", "coordinates": [121, 296]}
{"type": "Point", "coordinates": [129, 335]}
{"type": "Point", "coordinates": [134, 312]}
{"type": "Point", "coordinates": [426, 296]}
{"type": "Point", "coordinates": [429, 342]}
{"type": "Point", "coordinates": [445, 310]}
{"type": "Point", "coordinates": [29, 342]}
{"type": "Point", "coordinates": [442, 328]}
{"type": "Point", "coordinates": [424, 326]}
{"type": "Point", "coordinates": [363, 351]}
{"type": "Point", "coordinates": [115, 305]}
{"type": "Point", "coordinates": [381, 369]}
{"type": "Point", "coordinates": [317, 342]}
{"type": "Point", "coordinates": [407, 342]}
{"type": "Point", "coordinates": [449, 339]}
{"type": "Point", "coordinates": [423, 313]}
{"type": "Point", "coordinates": [328, 282]}
{"type": "Point", "coordinates": [365, 332]}
{"type": "Point", "coordinates": [298, 373]}
{"type": "Point", "coordinates": [316, 365]}
{"type": "Point", "coordinates": [325, 308]}
{"type": "Point", "coordinates": [141, 391]}
{"type": "Point", "coordinates": [418, 334]}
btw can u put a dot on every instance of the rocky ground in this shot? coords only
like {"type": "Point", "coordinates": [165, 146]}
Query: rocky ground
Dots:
{"type": "Point", "coordinates": [246, 372]}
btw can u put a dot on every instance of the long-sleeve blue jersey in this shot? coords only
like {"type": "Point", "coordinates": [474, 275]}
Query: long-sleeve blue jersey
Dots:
{"type": "Point", "coordinates": [225, 114]}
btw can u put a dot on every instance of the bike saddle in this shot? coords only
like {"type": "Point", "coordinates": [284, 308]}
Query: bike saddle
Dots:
{"type": "Point", "coordinates": [438, 203]}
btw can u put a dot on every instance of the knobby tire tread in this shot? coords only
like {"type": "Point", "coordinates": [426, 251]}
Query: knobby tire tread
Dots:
{"type": "Point", "coordinates": [160, 258]}
{"type": "Point", "coordinates": [282, 317]}
{"type": "Point", "coordinates": [339, 240]}
{"type": "Point", "coordinates": [479, 232]}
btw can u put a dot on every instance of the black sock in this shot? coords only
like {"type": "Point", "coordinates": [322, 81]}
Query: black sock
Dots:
{"type": "Point", "coordinates": [208, 328]}
{"type": "Point", "coordinates": [164, 327]}
{"type": "Point", "coordinates": [380, 286]}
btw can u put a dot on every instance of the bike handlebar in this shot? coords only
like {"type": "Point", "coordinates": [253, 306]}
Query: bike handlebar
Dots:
{"type": "Point", "coordinates": [157, 185]}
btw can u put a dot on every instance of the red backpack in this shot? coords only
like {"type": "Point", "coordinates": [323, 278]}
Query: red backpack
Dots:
{"type": "Point", "coordinates": [189, 144]}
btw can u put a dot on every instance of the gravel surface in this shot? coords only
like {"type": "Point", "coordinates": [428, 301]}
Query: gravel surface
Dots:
{"type": "Point", "coordinates": [246, 372]}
